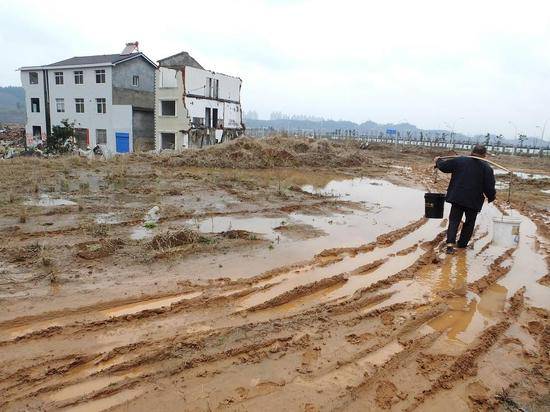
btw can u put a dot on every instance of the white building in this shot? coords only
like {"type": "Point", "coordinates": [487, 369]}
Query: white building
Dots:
{"type": "Point", "coordinates": [194, 107]}
{"type": "Point", "coordinates": [109, 97]}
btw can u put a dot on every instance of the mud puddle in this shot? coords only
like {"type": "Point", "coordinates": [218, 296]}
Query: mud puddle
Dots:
{"type": "Point", "coordinates": [148, 305]}
{"type": "Point", "coordinates": [108, 218]}
{"type": "Point", "coordinates": [382, 212]}
{"type": "Point", "coordinates": [382, 355]}
{"type": "Point", "coordinates": [46, 200]}
{"type": "Point", "coordinates": [312, 273]}
{"type": "Point", "coordinates": [469, 315]}
{"type": "Point", "coordinates": [116, 311]}
{"type": "Point", "coordinates": [92, 385]}
{"type": "Point", "coordinates": [102, 404]}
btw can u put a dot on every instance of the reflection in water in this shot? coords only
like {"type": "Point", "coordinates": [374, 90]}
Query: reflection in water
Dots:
{"type": "Point", "coordinates": [468, 314]}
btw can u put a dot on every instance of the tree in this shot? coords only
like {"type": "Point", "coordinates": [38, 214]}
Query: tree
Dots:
{"type": "Point", "coordinates": [59, 141]}
{"type": "Point", "coordinates": [487, 139]}
{"type": "Point", "coordinates": [522, 138]}
{"type": "Point", "coordinates": [498, 139]}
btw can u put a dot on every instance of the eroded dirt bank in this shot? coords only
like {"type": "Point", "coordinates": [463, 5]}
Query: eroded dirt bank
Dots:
{"type": "Point", "coordinates": [147, 283]}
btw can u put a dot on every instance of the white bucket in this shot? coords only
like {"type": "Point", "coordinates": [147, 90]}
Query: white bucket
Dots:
{"type": "Point", "coordinates": [506, 231]}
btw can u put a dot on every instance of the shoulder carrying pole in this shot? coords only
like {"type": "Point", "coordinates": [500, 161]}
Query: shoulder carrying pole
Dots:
{"type": "Point", "coordinates": [494, 164]}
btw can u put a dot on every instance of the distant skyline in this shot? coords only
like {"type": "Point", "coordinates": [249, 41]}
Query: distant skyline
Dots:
{"type": "Point", "coordinates": [475, 65]}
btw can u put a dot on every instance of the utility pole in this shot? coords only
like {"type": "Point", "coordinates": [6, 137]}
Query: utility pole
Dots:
{"type": "Point", "coordinates": [543, 128]}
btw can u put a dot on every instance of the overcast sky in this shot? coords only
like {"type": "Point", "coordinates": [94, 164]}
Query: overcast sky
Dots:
{"type": "Point", "coordinates": [426, 62]}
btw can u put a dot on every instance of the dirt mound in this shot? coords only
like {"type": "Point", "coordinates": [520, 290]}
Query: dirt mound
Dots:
{"type": "Point", "coordinates": [98, 249]}
{"type": "Point", "coordinates": [176, 238]}
{"type": "Point", "coordinates": [239, 234]}
{"type": "Point", "coordinates": [248, 153]}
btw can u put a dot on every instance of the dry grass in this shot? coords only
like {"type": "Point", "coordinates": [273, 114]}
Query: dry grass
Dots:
{"type": "Point", "coordinates": [173, 239]}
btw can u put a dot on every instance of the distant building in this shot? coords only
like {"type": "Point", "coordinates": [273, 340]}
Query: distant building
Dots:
{"type": "Point", "coordinates": [194, 107]}
{"type": "Point", "coordinates": [109, 97]}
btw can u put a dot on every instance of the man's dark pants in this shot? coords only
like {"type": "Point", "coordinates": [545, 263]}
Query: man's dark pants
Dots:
{"type": "Point", "coordinates": [467, 228]}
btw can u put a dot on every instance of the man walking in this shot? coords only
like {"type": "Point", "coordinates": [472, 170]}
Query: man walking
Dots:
{"type": "Point", "coordinates": [472, 181]}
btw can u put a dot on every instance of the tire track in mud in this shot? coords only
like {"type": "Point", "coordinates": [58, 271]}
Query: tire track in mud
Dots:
{"type": "Point", "coordinates": [336, 255]}
{"type": "Point", "coordinates": [300, 291]}
{"type": "Point", "coordinates": [163, 358]}
{"type": "Point", "coordinates": [320, 259]}
{"type": "Point", "coordinates": [113, 369]}
{"type": "Point", "coordinates": [496, 271]}
{"type": "Point", "coordinates": [465, 365]}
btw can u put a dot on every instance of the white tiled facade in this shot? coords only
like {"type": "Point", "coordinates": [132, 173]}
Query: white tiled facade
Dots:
{"type": "Point", "coordinates": [115, 118]}
{"type": "Point", "coordinates": [104, 100]}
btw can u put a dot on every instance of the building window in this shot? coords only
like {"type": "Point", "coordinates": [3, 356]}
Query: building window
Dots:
{"type": "Point", "coordinates": [207, 118]}
{"type": "Point", "coordinates": [79, 104]}
{"type": "Point", "coordinates": [135, 81]}
{"type": "Point", "coordinates": [100, 136]}
{"type": "Point", "coordinates": [167, 78]}
{"type": "Point", "coordinates": [168, 141]}
{"type": "Point", "coordinates": [60, 105]}
{"type": "Point", "coordinates": [35, 105]}
{"type": "Point", "coordinates": [101, 105]}
{"type": "Point", "coordinates": [208, 87]}
{"type": "Point", "coordinates": [58, 77]}
{"type": "Point", "coordinates": [198, 121]}
{"type": "Point", "coordinates": [36, 131]}
{"type": "Point", "coordinates": [33, 77]}
{"type": "Point", "coordinates": [78, 77]}
{"type": "Point", "coordinates": [168, 108]}
{"type": "Point", "coordinates": [100, 76]}
{"type": "Point", "coordinates": [215, 88]}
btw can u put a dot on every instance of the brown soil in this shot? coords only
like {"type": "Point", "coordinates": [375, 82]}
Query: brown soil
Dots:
{"type": "Point", "coordinates": [215, 304]}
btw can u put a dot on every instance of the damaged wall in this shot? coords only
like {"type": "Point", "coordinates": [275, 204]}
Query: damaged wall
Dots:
{"type": "Point", "coordinates": [169, 86]}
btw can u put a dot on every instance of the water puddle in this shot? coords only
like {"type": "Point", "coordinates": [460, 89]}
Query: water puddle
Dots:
{"type": "Point", "coordinates": [470, 315]}
{"type": "Point", "coordinates": [107, 218]}
{"type": "Point", "coordinates": [81, 389]}
{"type": "Point", "coordinates": [382, 211]}
{"type": "Point", "coordinates": [528, 266]}
{"type": "Point", "coordinates": [45, 200]}
{"type": "Point", "coordinates": [531, 176]}
{"type": "Point", "coordinates": [311, 273]}
{"type": "Point", "coordinates": [523, 175]}
{"type": "Point", "coordinates": [261, 225]}
{"type": "Point", "coordinates": [547, 191]}
{"type": "Point", "coordinates": [136, 307]}
{"type": "Point", "coordinates": [122, 310]}
{"type": "Point", "coordinates": [296, 304]}
{"type": "Point", "coordinates": [26, 329]}
{"type": "Point", "coordinates": [150, 221]}
{"type": "Point", "coordinates": [382, 355]}
{"type": "Point", "coordinates": [107, 403]}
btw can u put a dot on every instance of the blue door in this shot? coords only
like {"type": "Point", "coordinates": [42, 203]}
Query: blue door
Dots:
{"type": "Point", "coordinates": [122, 142]}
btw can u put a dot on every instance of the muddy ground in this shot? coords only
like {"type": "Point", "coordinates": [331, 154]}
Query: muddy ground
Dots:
{"type": "Point", "coordinates": [275, 275]}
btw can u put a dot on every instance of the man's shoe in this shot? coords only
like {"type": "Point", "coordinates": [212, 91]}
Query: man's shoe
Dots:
{"type": "Point", "coordinates": [450, 249]}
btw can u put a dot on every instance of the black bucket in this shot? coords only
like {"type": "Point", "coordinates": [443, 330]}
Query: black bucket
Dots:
{"type": "Point", "coordinates": [434, 204]}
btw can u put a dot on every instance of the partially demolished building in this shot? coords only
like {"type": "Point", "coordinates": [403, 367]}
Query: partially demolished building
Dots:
{"type": "Point", "coordinates": [194, 107]}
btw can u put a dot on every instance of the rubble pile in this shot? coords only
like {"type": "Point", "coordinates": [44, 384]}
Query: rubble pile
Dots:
{"type": "Point", "coordinates": [12, 139]}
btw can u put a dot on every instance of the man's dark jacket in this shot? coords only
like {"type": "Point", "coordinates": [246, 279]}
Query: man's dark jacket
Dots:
{"type": "Point", "coordinates": [470, 180]}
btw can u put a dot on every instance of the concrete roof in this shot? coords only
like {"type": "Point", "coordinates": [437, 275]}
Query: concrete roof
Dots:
{"type": "Point", "coordinates": [179, 60]}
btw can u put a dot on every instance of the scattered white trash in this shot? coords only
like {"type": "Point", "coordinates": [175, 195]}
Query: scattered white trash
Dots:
{"type": "Point", "coordinates": [506, 231]}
